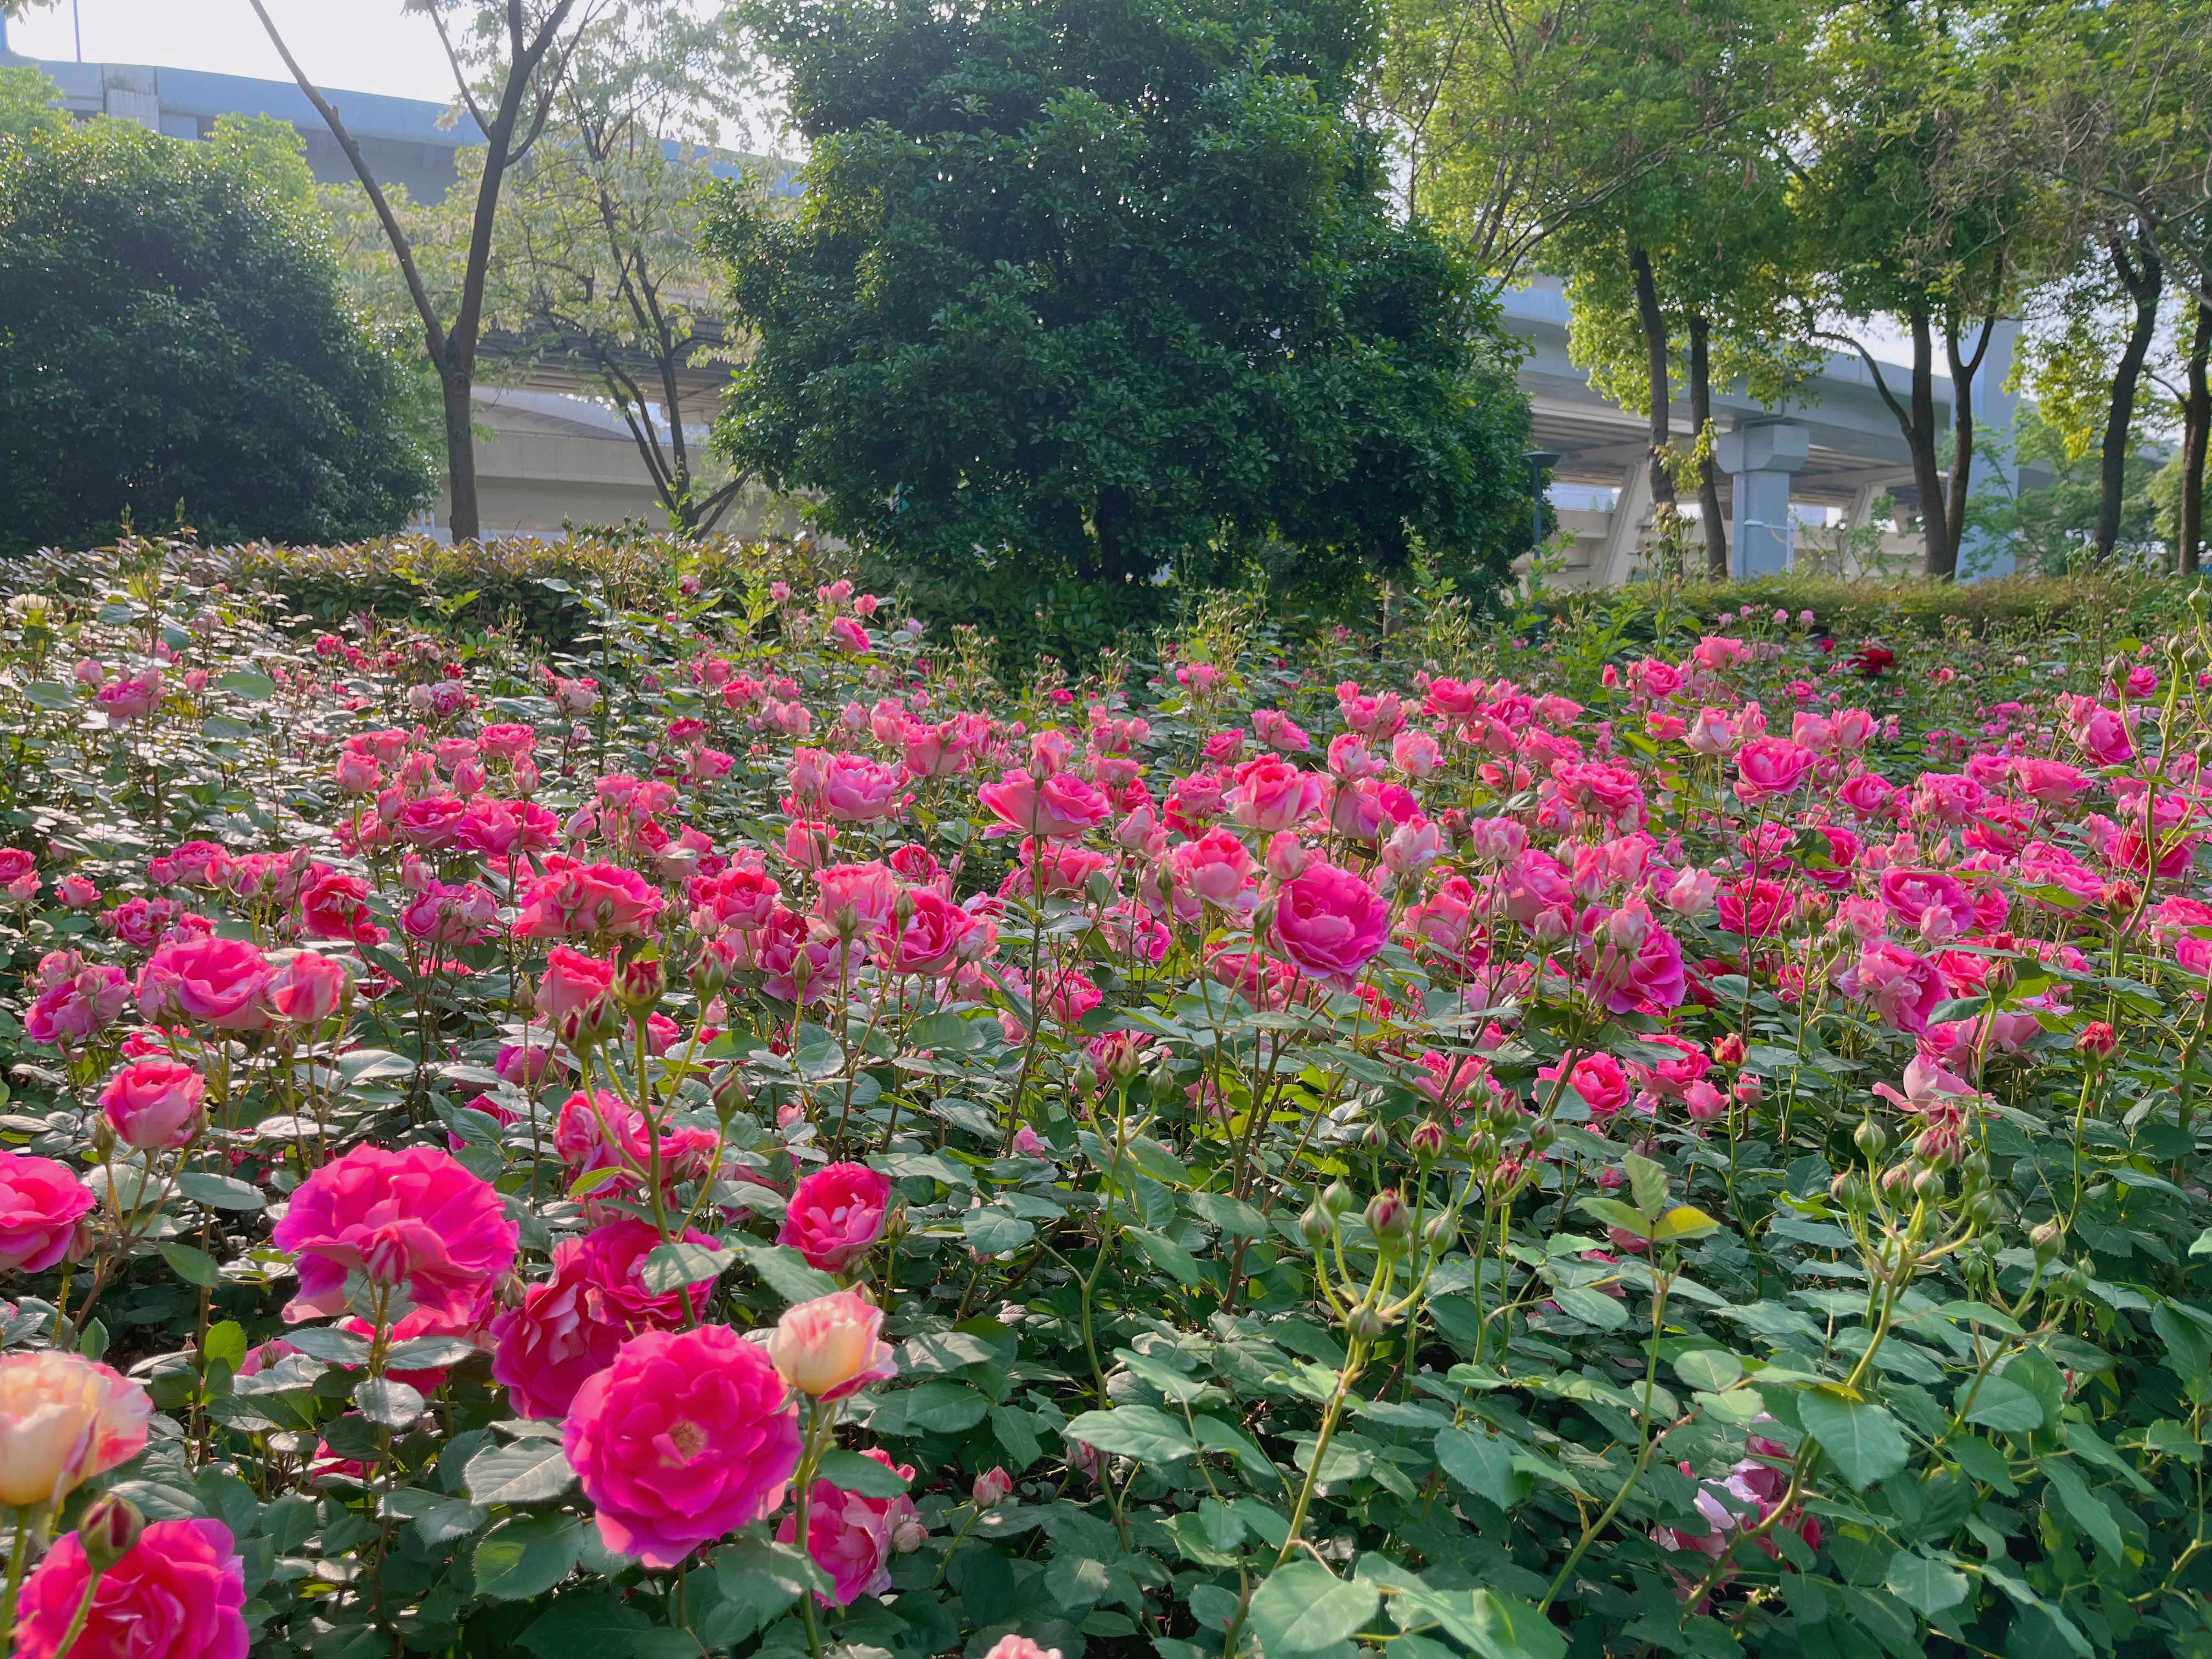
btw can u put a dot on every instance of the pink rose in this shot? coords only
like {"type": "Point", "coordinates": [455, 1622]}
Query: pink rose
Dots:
{"type": "Point", "coordinates": [223, 982]}
{"type": "Point", "coordinates": [572, 982]}
{"type": "Point", "coordinates": [852, 1538]}
{"type": "Point", "coordinates": [836, 1215]}
{"type": "Point", "coordinates": [1214, 869]}
{"type": "Point", "coordinates": [153, 1103]}
{"type": "Point", "coordinates": [1270, 794]}
{"type": "Point", "coordinates": [40, 1204]}
{"type": "Point", "coordinates": [1904, 987]}
{"type": "Point", "coordinates": [1330, 923]}
{"type": "Point", "coordinates": [64, 1418]}
{"type": "Point", "coordinates": [178, 1591]}
{"type": "Point", "coordinates": [336, 906]}
{"type": "Point", "coordinates": [867, 890]}
{"type": "Point", "coordinates": [1630, 960]}
{"type": "Point", "coordinates": [1767, 768]}
{"type": "Point", "coordinates": [1063, 806]}
{"type": "Point", "coordinates": [432, 822]}
{"type": "Point", "coordinates": [70, 1014]}
{"type": "Point", "coordinates": [685, 1437]}
{"type": "Point", "coordinates": [599, 1130]}
{"type": "Point", "coordinates": [307, 988]}
{"type": "Point", "coordinates": [570, 1326]}
{"type": "Point", "coordinates": [1598, 1079]}
{"type": "Point", "coordinates": [1910, 894]}
{"type": "Point", "coordinates": [1415, 753]}
{"type": "Point", "coordinates": [583, 900]}
{"type": "Point", "coordinates": [929, 940]}
{"type": "Point", "coordinates": [416, 1217]}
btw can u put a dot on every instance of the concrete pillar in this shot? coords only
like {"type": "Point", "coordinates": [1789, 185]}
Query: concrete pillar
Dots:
{"type": "Point", "coordinates": [1617, 562]}
{"type": "Point", "coordinates": [1760, 459]}
{"type": "Point", "coordinates": [129, 94]}
{"type": "Point", "coordinates": [1996, 466]}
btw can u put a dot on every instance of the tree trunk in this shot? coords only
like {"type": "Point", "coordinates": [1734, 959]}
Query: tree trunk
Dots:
{"type": "Point", "coordinates": [1963, 371]}
{"type": "Point", "coordinates": [2196, 426]}
{"type": "Point", "coordinates": [464, 520]}
{"type": "Point", "coordinates": [1920, 438]}
{"type": "Point", "coordinates": [1655, 357]}
{"type": "Point", "coordinates": [1701, 413]}
{"type": "Point", "coordinates": [2141, 277]}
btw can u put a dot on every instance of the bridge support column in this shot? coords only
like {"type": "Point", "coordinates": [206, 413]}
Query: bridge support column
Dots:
{"type": "Point", "coordinates": [1760, 459]}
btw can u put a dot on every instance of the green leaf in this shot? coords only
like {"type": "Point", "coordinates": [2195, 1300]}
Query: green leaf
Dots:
{"type": "Point", "coordinates": [850, 1472]}
{"type": "Point", "coordinates": [1144, 1432]}
{"type": "Point", "coordinates": [529, 1471]}
{"type": "Point", "coordinates": [1164, 1253]}
{"type": "Point", "coordinates": [672, 1267]}
{"type": "Point", "coordinates": [2000, 1404]}
{"type": "Point", "coordinates": [422, 1353]}
{"type": "Point", "coordinates": [45, 694]}
{"type": "Point", "coordinates": [938, 1407]}
{"type": "Point", "coordinates": [991, 1230]}
{"type": "Point", "coordinates": [2088, 1509]}
{"type": "Point", "coordinates": [1228, 1215]}
{"type": "Point", "coordinates": [1157, 1161]}
{"type": "Point", "coordinates": [221, 1192]}
{"type": "Point", "coordinates": [786, 1271]}
{"type": "Point", "coordinates": [195, 1266]}
{"type": "Point", "coordinates": [246, 683]}
{"type": "Point", "coordinates": [1493, 1626]}
{"type": "Point", "coordinates": [1017, 1432]}
{"type": "Point", "coordinates": [1861, 1439]}
{"type": "Point", "coordinates": [1303, 1607]}
{"type": "Point", "coordinates": [225, 1341]}
{"type": "Point", "coordinates": [527, 1556]}
{"type": "Point", "coordinates": [1925, 1586]}
{"type": "Point", "coordinates": [597, 1625]}
{"type": "Point", "coordinates": [1483, 1465]}
{"type": "Point", "coordinates": [381, 1399]}
{"type": "Point", "coordinates": [436, 1518]}
{"type": "Point", "coordinates": [1647, 1182]}
{"type": "Point", "coordinates": [1608, 1313]}
{"type": "Point", "coordinates": [1614, 1213]}
{"type": "Point", "coordinates": [1712, 1370]}
{"type": "Point", "coordinates": [1683, 1221]}
{"type": "Point", "coordinates": [759, 1580]}
{"type": "Point", "coordinates": [328, 1342]}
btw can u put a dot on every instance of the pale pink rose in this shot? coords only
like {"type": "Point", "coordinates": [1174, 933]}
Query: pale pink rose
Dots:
{"type": "Point", "coordinates": [1215, 869]}
{"type": "Point", "coordinates": [1904, 988]}
{"type": "Point", "coordinates": [1415, 753]}
{"type": "Point", "coordinates": [64, 1418]}
{"type": "Point", "coordinates": [868, 891]}
{"type": "Point", "coordinates": [832, 1346]}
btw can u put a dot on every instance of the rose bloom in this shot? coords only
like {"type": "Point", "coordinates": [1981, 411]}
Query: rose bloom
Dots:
{"type": "Point", "coordinates": [432, 822]}
{"type": "Point", "coordinates": [929, 940]}
{"type": "Point", "coordinates": [832, 1346]}
{"type": "Point", "coordinates": [41, 1203]}
{"type": "Point", "coordinates": [1330, 923]}
{"type": "Point", "coordinates": [849, 788]}
{"type": "Point", "coordinates": [572, 981]}
{"type": "Point", "coordinates": [177, 1593]}
{"type": "Point", "coordinates": [570, 1326]}
{"type": "Point", "coordinates": [79, 1008]}
{"type": "Point", "coordinates": [153, 1104]}
{"type": "Point", "coordinates": [336, 906]}
{"type": "Point", "coordinates": [836, 1215]}
{"type": "Point", "coordinates": [1215, 868]}
{"type": "Point", "coordinates": [1753, 908]}
{"type": "Point", "coordinates": [851, 1537]}
{"type": "Point", "coordinates": [599, 1130]}
{"type": "Point", "coordinates": [417, 1217]}
{"type": "Point", "coordinates": [588, 899]}
{"type": "Point", "coordinates": [1598, 1079]}
{"type": "Point", "coordinates": [64, 1418]}
{"type": "Point", "coordinates": [1767, 768]}
{"type": "Point", "coordinates": [1904, 988]}
{"type": "Point", "coordinates": [1270, 794]}
{"type": "Point", "coordinates": [1015, 1646]}
{"type": "Point", "coordinates": [306, 989]}
{"type": "Point", "coordinates": [220, 982]}
{"type": "Point", "coordinates": [869, 890]}
{"type": "Point", "coordinates": [1063, 806]}
{"type": "Point", "coordinates": [685, 1437]}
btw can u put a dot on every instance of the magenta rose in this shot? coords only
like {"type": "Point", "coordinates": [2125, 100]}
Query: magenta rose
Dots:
{"type": "Point", "coordinates": [177, 1593]}
{"type": "Point", "coordinates": [929, 940]}
{"type": "Point", "coordinates": [434, 823]}
{"type": "Point", "coordinates": [570, 1326]}
{"type": "Point", "coordinates": [686, 1436]}
{"type": "Point", "coordinates": [223, 982]}
{"type": "Point", "coordinates": [1330, 923]}
{"type": "Point", "coordinates": [81, 1007]}
{"type": "Point", "coordinates": [1767, 768]}
{"type": "Point", "coordinates": [836, 1215]}
{"type": "Point", "coordinates": [416, 1217]}
{"type": "Point", "coordinates": [1598, 1079]}
{"type": "Point", "coordinates": [851, 1538]}
{"type": "Point", "coordinates": [1062, 807]}
{"type": "Point", "coordinates": [572, 982]}
{"type": "Point", "coordinates": [587, 899]}
{"type": "Point", "coordinates": [155, 1102]}
{"type": "Point", "coordinates": [41, 1203]}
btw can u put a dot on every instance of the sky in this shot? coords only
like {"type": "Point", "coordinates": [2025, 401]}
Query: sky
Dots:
{"type": "Point", "coordinates": [355, 45]}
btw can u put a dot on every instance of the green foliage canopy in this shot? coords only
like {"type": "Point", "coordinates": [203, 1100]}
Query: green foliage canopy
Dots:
{"type": "Point", "coordinates": [173, 333]}
{"type": "Point", "coordinates": [1083, 292]}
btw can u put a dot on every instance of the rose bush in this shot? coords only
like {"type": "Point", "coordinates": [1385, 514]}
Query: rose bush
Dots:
{"type": "Point", "coordinates": [750, 1135]}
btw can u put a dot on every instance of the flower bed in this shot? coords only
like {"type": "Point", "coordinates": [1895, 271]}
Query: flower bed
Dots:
{"type": "Point", "coordinates": [759, 1137]}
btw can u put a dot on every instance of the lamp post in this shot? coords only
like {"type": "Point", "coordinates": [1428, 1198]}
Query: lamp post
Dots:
{"type": "Point", "coordinates": [1540, 461]}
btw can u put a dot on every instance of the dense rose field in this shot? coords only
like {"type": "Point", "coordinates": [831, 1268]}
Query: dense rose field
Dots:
{"type": "Point", "coordinates": [757, 1137]}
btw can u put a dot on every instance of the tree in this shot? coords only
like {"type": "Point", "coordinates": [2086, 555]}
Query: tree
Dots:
{"type": "Point", "coordinates": [1091, 290]}
{"type": "Point", "coordinates": [598, 261]}
{"type": "Point", "coordinates": [29, 103]}
{"type": "Point", "coordinates": [1914, 206]}
{"type": "Point", "coordinates": [508, 70]}
{"type": "Point", "coordinates": [173, 335]}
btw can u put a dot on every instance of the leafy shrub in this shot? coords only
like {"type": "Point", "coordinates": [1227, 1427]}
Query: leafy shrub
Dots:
{"type": "Point", "coordinates": [1427, 1165]}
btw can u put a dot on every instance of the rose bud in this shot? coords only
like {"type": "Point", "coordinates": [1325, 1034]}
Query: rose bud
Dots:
{"type": "Point", "coordinates": [2045, 1239]}
{"type": "Point", "coordinates": [639, 984]}
{"type": "Point", "coordinates": [1427, 1141]}
{"type": "Point", "coordinates": [108, 1529]}
{"type": "Point", "coordinates": [2097, 1040]}
{"type": "Point", "coordinates": [992, 1488]}
{"type": "Point", "coordinates": [832, 1346]}
{"type": "Point", "coordinates": [1387, 1217]}
{"type": "Point", "coordinates": [1728, 1050]}
{"type": "Point", "coordinates": [1749, 1090]}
